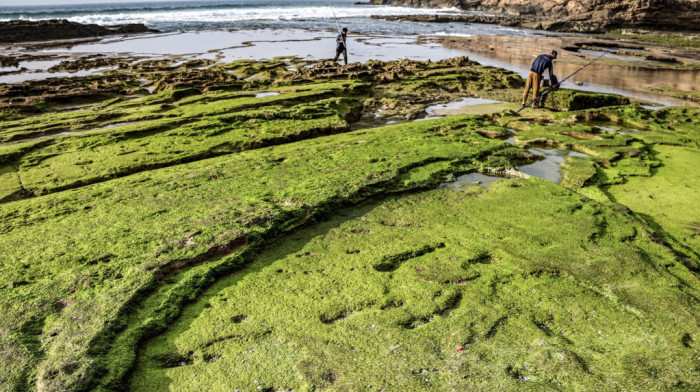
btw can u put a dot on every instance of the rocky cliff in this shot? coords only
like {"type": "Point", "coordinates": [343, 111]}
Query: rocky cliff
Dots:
{"type": "Point", "coordinates": [26, 31]}
{"type": "Point", "coordinates": [581, 15]}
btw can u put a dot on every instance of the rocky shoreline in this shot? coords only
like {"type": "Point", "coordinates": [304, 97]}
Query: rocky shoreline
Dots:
{"type": "Point", "coordinates": [31, 64]}
{"type": "Point", "coordinates": [290, 224]}
{"type": "Point", "coordinates": [172, 194]}
{"type": "Point", "coordinates": [523, 21]}
{"type": "Point", "coordinates": [586, 16]}
{"type": "Point", "coordinates": [28, 31]}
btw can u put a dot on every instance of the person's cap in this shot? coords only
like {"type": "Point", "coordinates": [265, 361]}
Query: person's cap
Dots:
{"type": "Point", "coordinates": [554, 52]}
{"type": "Point", "coordinates": [345, 29]}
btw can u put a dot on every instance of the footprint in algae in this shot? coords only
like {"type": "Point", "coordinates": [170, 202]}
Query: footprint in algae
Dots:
{"type": "Point", "coordinates": [581, 311]}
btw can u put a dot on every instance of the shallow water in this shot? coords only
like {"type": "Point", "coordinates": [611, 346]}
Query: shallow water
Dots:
{"type": "Point", "coordinates": [446, 108]}
{"type": "Point", "coordinates": [33, 139]}
{"type": "Point", "coordinates": [227, 46]}
{"type": "Point", "coordinates": [548, 168]}
{"type": "Point", "coordinates": [41, 75]}
{"type": "Point", "coordinates": [472, 178]}
{"type": "Point", "coordinates": [313, 38]}
{"type": "Point", "coordinates": [611, 55]}
{"type": "Point", "coordinates": [609, 129]}
{"type": "Point", "coordinates": [426, 118]}
{"type": "Point", "coordinates": [107, 126]}
{"type": "Point", "coordinates": [614, 79]}
{"type": "Point", "coordinates": [171, 16]}
{"type": "Point", "coordinates": [267, 43]}
{"type": "Point", "coordinates": [266, 94]}
{"type": "Point", "coordinates": [307, 28]}
{"type": "Point", "coordinates": [38, 65]}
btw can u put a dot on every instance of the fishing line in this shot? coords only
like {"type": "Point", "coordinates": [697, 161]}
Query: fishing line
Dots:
{"type": "Point", "coordinates": [335, 17]}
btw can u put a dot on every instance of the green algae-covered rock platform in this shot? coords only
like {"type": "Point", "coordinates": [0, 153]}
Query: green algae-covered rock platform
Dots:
{"type": "Point", "coordinates": [282, 226]}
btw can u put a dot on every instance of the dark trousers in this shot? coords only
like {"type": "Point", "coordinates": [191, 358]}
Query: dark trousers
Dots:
{"type": "Point", "coordinates": [344, 51]}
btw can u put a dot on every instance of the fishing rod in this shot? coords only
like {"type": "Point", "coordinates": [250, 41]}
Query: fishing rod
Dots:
{"type": "Point", "coordinates": [336, 19]}
{"type": "Point", "coordinates": [562, 81]}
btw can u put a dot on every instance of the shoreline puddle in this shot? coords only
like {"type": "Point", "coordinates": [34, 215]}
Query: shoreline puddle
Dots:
{"type": "Point", "coordinates": [511, 140]}
{"type": "Point", "coordinates": [612, 55]}
{"type": "Point", "coordinates": [449, 108]}
{"type": "Point", "coordinates": [481, 179]}
{"type": "Point", "coordinates": [34, 139]}
{"type": "Point", "coordinates": [548, 168]}
{"type": "Point", "coordinates": [606, 128]}
{"type": "Point", "coordinates": [108, 126]}
{"type": "Point", "coordinates": [39, 74]}
{"type": "Point", "coordinates": [266, 94]}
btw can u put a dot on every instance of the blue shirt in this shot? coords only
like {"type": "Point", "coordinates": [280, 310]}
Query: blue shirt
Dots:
{"type": "Point", "coordinates": [341, 40]}
{"type": "Point", "coordinates": [541, 63]}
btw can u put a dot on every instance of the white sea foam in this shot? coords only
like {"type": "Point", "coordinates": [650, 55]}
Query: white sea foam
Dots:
{"type": "Point", "coordinates": [446, 34]}
{"type": "Point", "coordinates": [243, 14]}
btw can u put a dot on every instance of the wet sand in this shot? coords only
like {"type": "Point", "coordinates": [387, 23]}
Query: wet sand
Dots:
{"type": "Point", "coordinates": [626, 75]}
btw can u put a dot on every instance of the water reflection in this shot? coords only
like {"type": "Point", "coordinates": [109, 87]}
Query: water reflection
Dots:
{"type": "Point", "coordinates": [266, 94]}
{"type": "Point", "coordinates": [548, 168]}
{"type": "Point", "coordinates": [472, 178]}
{"type": "Point", "coordinates": [446, 108]}
{"type": "Point", "coordinates": [517, 55]}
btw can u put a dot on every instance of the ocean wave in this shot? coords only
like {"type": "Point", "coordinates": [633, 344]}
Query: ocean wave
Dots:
{"type": "Point", "coordinates": [219, 15]}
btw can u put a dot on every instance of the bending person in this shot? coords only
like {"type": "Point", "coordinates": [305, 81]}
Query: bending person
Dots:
{"type": "Point", "coordinates": [341, 45]}
{"type": "Point", "coordinates": [534, 78]}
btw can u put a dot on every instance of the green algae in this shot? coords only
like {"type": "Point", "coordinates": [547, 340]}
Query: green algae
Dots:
{"type": "Point", "coordinates": [676, 93]}
{"type": "Point", "coordinates": [147, 222]}
{"type": "Point", "coordinates": [565, 99]}
{"type": "Point", "coordinates": [578, 172]}
{"type": "Point", "coordinates": [10, 186]}
{"type": "Point", "coordinates": [157, 197]}
{"type": "Point", "coordinates": [121, 137]}
{"type": "Point", "coordinates": [666, 199]}
{"type": "Point", "coordinates": [382, 300]}
{"type": "Point", "coordinates": [672, 40]}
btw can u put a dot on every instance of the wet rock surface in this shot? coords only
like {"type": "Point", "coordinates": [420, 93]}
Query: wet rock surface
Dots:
{"type": "Point", "coordinates": [90, 62]}
{"type": "Point", "coordinates": [31, 96]}
{"type": "Point", "coordinates": [503, 20]}
{"type": "Point", "coordinates": [581, 16]}
{"type": "Point", "coordinates": [630, 62]}
{"type": "Point", "coordinates": [28, 31]}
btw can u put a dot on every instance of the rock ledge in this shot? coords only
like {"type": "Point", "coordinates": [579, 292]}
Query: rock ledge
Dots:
{"type": "Point", "coordinates": [44, 30]}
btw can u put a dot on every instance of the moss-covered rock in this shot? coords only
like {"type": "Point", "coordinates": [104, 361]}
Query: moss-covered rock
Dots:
{"type": "Point", "coordinates": [504, 288]}
{"type": "Point", "coordinates": [117, 214]}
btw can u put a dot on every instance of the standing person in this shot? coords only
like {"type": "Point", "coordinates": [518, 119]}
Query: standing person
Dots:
{"type": "Point", "coordinates": [534, 78]}
{"type": "Point", "coordinates": [341, 45]}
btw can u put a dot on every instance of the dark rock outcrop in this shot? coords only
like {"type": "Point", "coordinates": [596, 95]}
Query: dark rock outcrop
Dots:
{"type": "Point", "coordinates": [503, 20]}
{"type": "Point", "coordinates": [44, 30]}
{"type": "Point", "coordinates": [579, 15]}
